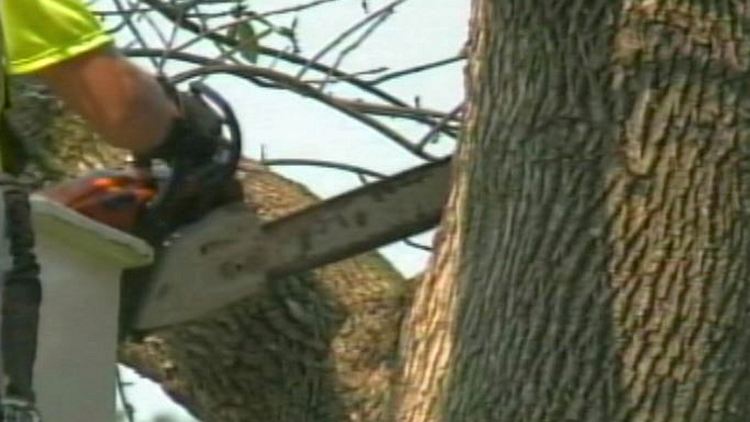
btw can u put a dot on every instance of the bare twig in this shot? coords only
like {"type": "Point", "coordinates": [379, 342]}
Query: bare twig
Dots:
{"type": "Point", "coordinates": [324, 164]}
{"type": "Point", "coordinates": [425, 116]}
{"type": "Point", "coordinates": [203, 35]}
{"type": "Point", "coordinates": [439, 127]}
{"type": "Point", "coordinates": [356, 44]}
{"type": "Point", "coordinates": [393, 111]}
{"type": "Point", "coordinates": [356, 74]}
{"type": "Point", "coordinates": [169, 44]}
{"type": "Point", "coordinates": [296, 8]}
{"type": "Point", "coordinates": [128, 22]}
{"type": "Point", "coordinates": [155, 27]}
{"type": "Point", "coordinates": [387, 10]}
{"type": "Point", "coordinates": [170, 13]}
{"type": "Point", "coordinates": [417, 69]}
{"type": "Point", "coordinates": [294, 85]}
{"type": "Point", "coordinates": [419, 246]}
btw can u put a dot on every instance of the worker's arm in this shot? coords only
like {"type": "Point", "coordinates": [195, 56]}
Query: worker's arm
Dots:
{"type": "Point", "coordinates": [62, 42]}
{"type": "Point", "coordinates": [124, 104]}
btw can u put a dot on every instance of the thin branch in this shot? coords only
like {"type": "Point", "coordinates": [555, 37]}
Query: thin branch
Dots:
{"type": "Point", "coordinates": [419, 246]}
{"type": "Point", "coordinates": [297, 8]}
{"type": "Point", "coordinates": [356, 74]}
{"type": "Point", "coordinates": [387, 10]}
{"type": "Point", "coordinates": [355, 45]}
{"type": "Point", "coordinates": [254, 75]}
{"type": "Point", "coordinates": [324, 164]}
{"type": "Point", "coordinates": [417, 69]}
{"type": "Point", "coordinates": [393, 111]}
{"type": "Point", "coordinates": [170, 13]}
{"type": "Point", "coordinates": [155, 27]}
{"type": "Point", "coordinates": [439, 127]}
{"type": "Point", "coordinates": [206, 34]}
{"type": "Point", "coordinates": [128, 22]}
{"type": "Point", "coordinates": [251, 72]}
{"type": "Point", "coordinates": [169, 45]}
{"type": "Point", "coordinates": [294, 85]}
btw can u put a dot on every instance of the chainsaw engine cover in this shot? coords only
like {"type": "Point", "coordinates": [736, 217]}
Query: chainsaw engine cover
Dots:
{"type": "Point", "coordinates": [117, 198]}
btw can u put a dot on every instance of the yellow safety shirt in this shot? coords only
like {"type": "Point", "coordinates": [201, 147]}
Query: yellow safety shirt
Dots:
{"type": "Point", "coordinates": [38, 34]}
{"type": "Point", "coordinates": [41, 33]}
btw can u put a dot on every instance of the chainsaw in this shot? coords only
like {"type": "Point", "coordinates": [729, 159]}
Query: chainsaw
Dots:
{"type": "Point", "coordinates": [133, 199]}
{"type": "Point", "coordinates": [221, 252]}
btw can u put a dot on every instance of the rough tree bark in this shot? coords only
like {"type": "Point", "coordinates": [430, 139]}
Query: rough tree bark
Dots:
{"type": "Point", "coordinates": [594, 262]}
{"type": "Point", "coordinates": [317, 347]}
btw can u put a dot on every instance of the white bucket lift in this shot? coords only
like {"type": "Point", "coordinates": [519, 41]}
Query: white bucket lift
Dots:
{"type": "Point", "coordinates": [81, 262]}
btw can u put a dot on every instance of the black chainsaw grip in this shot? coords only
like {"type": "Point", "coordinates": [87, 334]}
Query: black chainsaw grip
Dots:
{"type": "Point", "coordinates": [226, 157]}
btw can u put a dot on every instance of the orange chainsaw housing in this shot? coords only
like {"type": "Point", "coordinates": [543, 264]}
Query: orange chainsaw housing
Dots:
{"type": "Point", "coordinates": [116, 198]}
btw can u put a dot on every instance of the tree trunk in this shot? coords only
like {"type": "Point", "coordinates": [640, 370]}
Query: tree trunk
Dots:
{"type": "Point", "coordinates": [318, 347]}
{"type": "Point", "coordinates": [594, 261]}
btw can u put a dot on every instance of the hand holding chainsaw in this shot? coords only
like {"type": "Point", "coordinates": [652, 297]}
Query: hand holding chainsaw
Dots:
{"type": "Point", "coordinates": [187, 176]}
{"type": "Point", "coordinates": [201, 161]}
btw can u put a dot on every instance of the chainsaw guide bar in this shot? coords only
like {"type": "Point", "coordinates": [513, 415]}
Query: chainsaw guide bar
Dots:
{"type": "Point", "coordinates": [230, 254]}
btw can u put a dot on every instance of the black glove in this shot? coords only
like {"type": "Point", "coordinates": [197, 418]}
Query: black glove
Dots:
{"type": "Point", "coordinates": [195, 135]}
{"type": "Point", "coordinates": [201, 177]}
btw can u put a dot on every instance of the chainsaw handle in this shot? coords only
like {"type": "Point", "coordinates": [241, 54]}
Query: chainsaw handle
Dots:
{"type": "Point", "coordinates": [227, 156]}
{"type": "Point", "coordinates": [200, 89]}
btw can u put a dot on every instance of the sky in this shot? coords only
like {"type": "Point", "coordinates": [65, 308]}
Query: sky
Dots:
{"type": "Point", "coordinates": [284, 125]}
